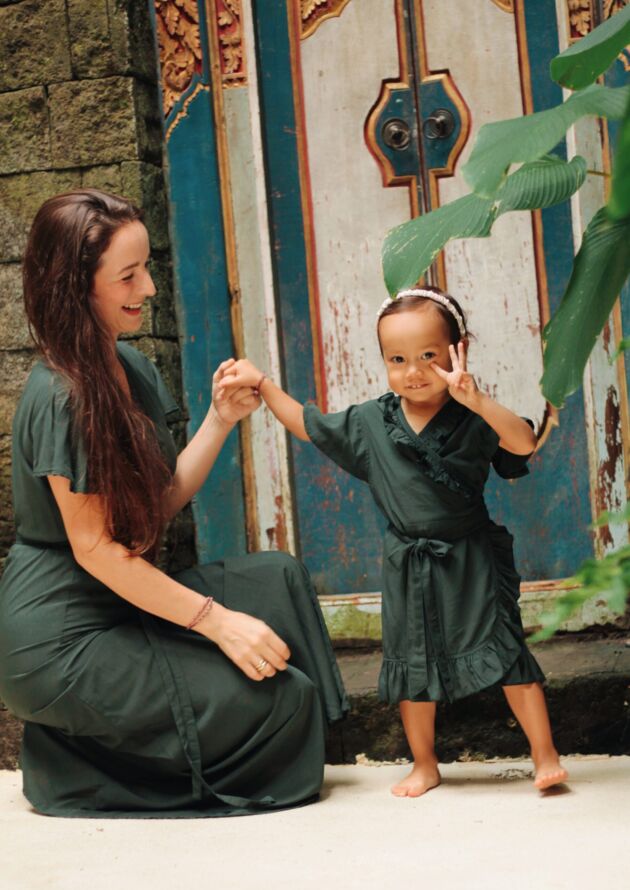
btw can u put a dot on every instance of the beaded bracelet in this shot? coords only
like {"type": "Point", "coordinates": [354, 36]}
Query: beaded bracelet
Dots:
{"type": "Point", "coordinates": [259, 384]}
{"type": "Point", "coordinates": [203, 611]}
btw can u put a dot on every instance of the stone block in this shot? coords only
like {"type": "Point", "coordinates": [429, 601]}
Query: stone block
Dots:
{"type": "Point", "coordinates": [14, 369]}
{"type": "Point", "coordinates": [144, 184]}
{"type": "Point", "coordinates": [24, 131]}
{"type": "Point", "coordinates": [13, 326]}
{"type": "Point", "coordinates": [91, 46]}
{"type": "Point", "coordinates": [35, 47]}
{"type": "Point", "coordinates": [132, 39]}
{"type": "Point", "coordinates": [164, 321]}
{"type": "Point", "coordinates": [103, 121]}
{"type": "Point", "coordinates": [20, 198]}
{"type": "Point", "coordinates": [106, 178]}
{"type": "Point", "coordinates": [92, 122]}
{"type": "Point", "coordinates": [7, 530]}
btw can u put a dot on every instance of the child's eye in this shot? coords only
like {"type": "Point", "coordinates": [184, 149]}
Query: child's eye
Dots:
{"type": "Point", "coordinates": [427, 356]}
{"type": "Point", "coordinates": [397, 359]}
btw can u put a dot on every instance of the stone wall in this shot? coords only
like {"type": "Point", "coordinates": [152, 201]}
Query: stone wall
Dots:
{"type": "Point", "coordinates": [78, 107]}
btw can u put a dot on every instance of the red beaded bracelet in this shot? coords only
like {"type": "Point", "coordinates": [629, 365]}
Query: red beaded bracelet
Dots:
{"type": "Point", "coordinates": [203, 611]}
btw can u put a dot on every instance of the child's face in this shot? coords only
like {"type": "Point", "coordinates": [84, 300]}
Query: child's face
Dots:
{"type": "Point", "coordinates": [410, 342]}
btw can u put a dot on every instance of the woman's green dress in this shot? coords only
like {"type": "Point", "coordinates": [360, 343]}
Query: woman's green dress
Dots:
{"type": "Point", "coordinates": [128, 715]}
{"type": "Point", "coordinates": [451, 621]}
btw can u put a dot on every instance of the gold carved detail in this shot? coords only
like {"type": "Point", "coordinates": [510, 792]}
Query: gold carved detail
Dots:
{"type": "Point", "coordinates": [230, 33]}
{"type": "Point", "coordinates": [580, 18]}
{"type": "Point", "coordinates": [177, 23]}
{"type": "Point", "coordinates": [314, 12]}
{"type": "Point", "coordinates": [505, 5]}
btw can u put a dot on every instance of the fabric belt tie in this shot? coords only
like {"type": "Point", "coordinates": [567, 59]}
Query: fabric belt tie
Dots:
{"type": "Point", "coordinates": [418, 554]}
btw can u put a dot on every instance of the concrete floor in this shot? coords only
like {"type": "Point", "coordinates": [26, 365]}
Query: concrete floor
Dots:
{"type": "Point", "coordinates": [484, 828]}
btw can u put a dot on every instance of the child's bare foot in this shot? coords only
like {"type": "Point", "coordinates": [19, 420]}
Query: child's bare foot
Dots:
{"type": "Point", "coordinates": [421, 779]}
{"type": "Point", "coordinates": [549, 772]}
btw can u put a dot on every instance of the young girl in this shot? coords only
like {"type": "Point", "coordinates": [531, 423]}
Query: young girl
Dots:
{"type": "Point", "coordinates": [451, 622]}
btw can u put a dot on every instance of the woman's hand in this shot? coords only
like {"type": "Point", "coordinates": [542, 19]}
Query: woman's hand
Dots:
{"type": "Point", "coordinates": [461, 384]}
{"type": "Point", "coordinates": [235, 404]}
{"type": "Point", "coordinates": [248, 642]}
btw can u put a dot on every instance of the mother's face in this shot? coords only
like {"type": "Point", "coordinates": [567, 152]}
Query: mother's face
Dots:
{"type": "Point", "coordinates": [122, 281]}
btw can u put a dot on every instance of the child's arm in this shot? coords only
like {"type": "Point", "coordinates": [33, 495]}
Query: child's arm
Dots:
{"type": "Point", "coordinates": [289, 412]}
{"type": "Point", "coordinates": [515, 434]}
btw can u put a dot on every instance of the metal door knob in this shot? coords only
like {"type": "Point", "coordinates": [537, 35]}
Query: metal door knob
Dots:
{"type": "Point", "coordinates": [396, 134]}
{"type": "Point", "coordinates": [439, 125]}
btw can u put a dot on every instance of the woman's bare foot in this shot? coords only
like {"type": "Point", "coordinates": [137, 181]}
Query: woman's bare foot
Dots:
{"type": "Point", "coordinates": [549, 772]}
{"type": "Point", "coordinates": [421, 779]}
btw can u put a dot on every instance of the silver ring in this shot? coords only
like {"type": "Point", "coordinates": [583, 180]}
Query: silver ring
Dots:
{"type": "Point", "coordinates": [262, 664]}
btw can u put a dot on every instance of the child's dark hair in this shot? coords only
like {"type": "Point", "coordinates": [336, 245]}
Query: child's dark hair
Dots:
{"type": "Point", "coordinates": [408, 302]}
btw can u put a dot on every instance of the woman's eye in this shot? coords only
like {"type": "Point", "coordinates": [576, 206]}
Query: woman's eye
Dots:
{"type": "Point", "coordinates": [128, 277]}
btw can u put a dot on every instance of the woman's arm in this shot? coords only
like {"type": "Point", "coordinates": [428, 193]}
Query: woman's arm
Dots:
{"type": "Point", "coordinates": [245, 640]}
{"type": "Point", "coordinates": [197, 458]}
{"type": "Point", "coordinates": [243, 374]}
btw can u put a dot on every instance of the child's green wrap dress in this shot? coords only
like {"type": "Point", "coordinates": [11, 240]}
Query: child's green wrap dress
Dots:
{"type": "Point", "coordinates": [129, 715]}
{"type": "Point", "coordinates": [451, 621]}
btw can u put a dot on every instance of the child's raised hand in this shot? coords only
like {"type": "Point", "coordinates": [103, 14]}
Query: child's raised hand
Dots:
{"type": "Point", "coordinates": [461, 384]}
{"type": "Point", "coordinates": [235, 404]}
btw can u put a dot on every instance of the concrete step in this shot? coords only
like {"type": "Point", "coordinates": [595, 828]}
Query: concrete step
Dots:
{"type": "Point", "coordinates": [587, 689]}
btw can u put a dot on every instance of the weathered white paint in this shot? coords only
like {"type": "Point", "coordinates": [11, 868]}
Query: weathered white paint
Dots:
{"type": "Point", "coordinates": [495, 278]}
{"type": "Point", "coordinates": [602, 392]}
{"type": "Point", "coordinates": [249, 201]}
{"type": "Point", "coordinates": [343, 65]}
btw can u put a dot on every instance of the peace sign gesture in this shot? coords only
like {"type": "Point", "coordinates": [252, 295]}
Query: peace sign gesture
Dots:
{"type": "Point", "coordinates": [461, 384]}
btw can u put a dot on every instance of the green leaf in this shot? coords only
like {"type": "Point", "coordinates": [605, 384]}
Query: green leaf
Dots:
{"type": "Point", "coordinates": [410, 248]}
{"type": "Point", "coordinates": [600, 269]}
{"type": "Point", "coordinates": [621, 347]}
{"type": "Point", "coordinates": [522, 139]}
{"type": "Point", "coordinates": [607, 518]}
{"type": "Point", "coordinates": [542, 183]}
{"type": "Point", "coordinates": [619, 200]}
{"type": "Point", "coordinates": [585, 60]}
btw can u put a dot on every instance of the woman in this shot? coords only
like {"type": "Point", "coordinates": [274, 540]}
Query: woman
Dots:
{"type": "Point", "coordinates": [198, 694]}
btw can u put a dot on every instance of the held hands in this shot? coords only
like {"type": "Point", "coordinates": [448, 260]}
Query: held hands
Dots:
{"type": "Point", "coordinates": [237, 375]}
{"type": "Point", "coordinates": [461, 384]}
{"type": "Point", "coordinates": [236, 401]}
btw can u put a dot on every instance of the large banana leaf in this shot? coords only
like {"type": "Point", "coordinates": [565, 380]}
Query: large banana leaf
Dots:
{"type": "Point", "coordinates": [599, 272]}
{"type": "Point", "coordinates": [583, 62]}
{"type": "Point", "coordinates": [410, 248]}
{"type": "Point", "coordinates": [523, 139]}
{"type": "Point", "coordinates": [619, 200]}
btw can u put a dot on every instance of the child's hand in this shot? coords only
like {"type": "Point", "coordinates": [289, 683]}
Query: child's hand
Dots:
{"type": "Point", "coordinates": [461, 384]}
{"type": "Point", "coordinates": [235, 375]}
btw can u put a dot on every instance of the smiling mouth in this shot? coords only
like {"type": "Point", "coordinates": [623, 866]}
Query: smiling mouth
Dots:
{"type": "Point", "coordinates": [134, 308]}
{"type": "Point", "coordinates": [417, 386]}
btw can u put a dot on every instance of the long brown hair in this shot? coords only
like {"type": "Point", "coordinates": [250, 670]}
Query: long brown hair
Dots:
{"type": "Point", "coordinates": [68, 237]}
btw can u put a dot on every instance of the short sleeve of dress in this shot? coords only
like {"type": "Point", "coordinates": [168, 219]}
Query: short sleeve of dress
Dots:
{"type": "Point", "coordinates": [509, 465]}
{"type": "Point", "coordinates": [54, 446]}
{"type": "Point", "coordinates": [170, 406]}
{"type": "Point", "coordinates": [340, 436]}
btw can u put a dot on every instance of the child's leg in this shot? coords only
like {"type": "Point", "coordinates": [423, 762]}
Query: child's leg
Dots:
{"type": "Point", "coordinates": [419, 722]}
{"type": "Point", "coordinates": [528, 705]}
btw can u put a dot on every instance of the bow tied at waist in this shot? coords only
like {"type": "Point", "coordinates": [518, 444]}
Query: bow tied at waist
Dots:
{"type": "Point", "coordinates": [419, 556]}
{"type": "Point", "coordinates": [405, 547]}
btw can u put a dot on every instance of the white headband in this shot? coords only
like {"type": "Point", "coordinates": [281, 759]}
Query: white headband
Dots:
{"type": "Point", "coordinates": [430, 295]}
